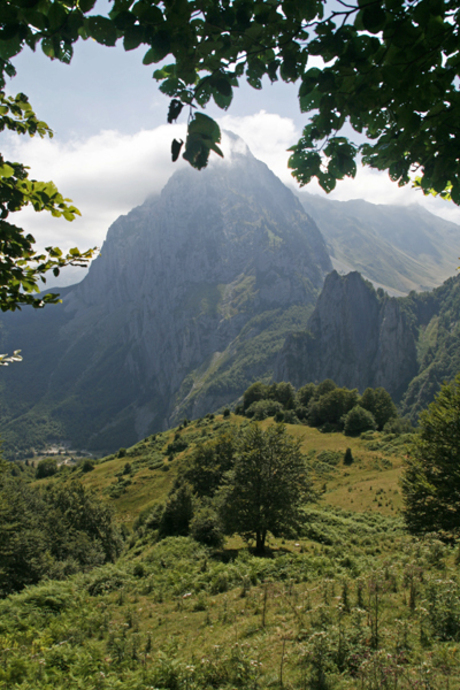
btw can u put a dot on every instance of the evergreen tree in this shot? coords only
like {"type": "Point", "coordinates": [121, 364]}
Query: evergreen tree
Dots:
{"type": "Point", "coordinates": [348, 457]}
{"type": "Point", "coordinates": [431, 479]}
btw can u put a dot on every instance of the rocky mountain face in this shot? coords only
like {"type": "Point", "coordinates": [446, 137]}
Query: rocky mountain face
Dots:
{"type": "Point", "coordinates": [356, 337]}
{"type": "Point", "coordinates": [190, 300]}
{"type": "Point", "coordinates": [361, 337]}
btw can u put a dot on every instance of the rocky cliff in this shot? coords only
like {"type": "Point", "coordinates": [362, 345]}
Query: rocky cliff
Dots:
{"type": "Point", "coordinates": [355, 336]}
{"type": "Point", "coordinates": [191, 298]}
{"type": "Point", "coordinates": [360, 337]}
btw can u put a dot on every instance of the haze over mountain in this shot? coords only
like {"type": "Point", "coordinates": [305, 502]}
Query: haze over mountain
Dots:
{"type": "Point", "coordinates": [400, 248]}
{"type": "Point", "coordinates": [191, 299]}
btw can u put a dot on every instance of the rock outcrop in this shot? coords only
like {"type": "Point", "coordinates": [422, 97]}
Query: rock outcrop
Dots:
{"type": "Point", "coordinates": [355, 336]}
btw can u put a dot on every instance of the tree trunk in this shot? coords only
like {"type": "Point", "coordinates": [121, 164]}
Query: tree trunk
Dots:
{"type": "Point", "coordinates": [260, 541]}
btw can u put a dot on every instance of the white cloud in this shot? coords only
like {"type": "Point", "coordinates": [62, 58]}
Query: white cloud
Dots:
{"type": "Point", "coordinates": [377, 188]}
{"type": "Point", "coordinates": [268, 136]}
{"type": "Point", "coordinates": [105, 175]}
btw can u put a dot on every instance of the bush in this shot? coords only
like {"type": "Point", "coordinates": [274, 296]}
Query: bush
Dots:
{"type": "Point", "coordinates": [290, 417]}
{"type": "Point", "coordinates": [209, 463]}
{"type": "Point", "coordinates": [305, 394]}
{"type": "Point", "coordinates": [283, 393]}
{"type": "Point", "coordinates": [431, 481]}
{"type": "Point", "coordinates": [379, 403]}
{"type": "Point", "coordinates": [177, 446]}
{"type": "Point", "coordinates": [177, 513]}
{"type": "Point", "coordinates": [358, 420]}
{"type": "Point", "coordinates": [258, 391]}
{"type": "Point", "coordinates": [264, 408]}
{"type": "Point", "coordinates": [331, 407]}
{"type": "Point", "coordinates": [46, 468]}
{"type": "Point", "coordinates": [398, 426]}
{"type": "Point", "coordinates": [205, 528]}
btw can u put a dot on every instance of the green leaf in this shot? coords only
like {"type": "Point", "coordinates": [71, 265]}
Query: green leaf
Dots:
{"type": "Point", "coordinates": [133, 37]}
{"type": "Point", "coordinates": [326, 181]}
{"type": "Point", "coordinates": [102, 30]}
{"type": "Point", "coordinates": [176, 147]}
{"type": "Point", "coordinates": [170, 87]}
{"type": "Point", "coordinates": [223, 86]}
{"type": "Point", "coordinates": [221, 101]}
{"type": "Point", "coordinates": [203, 136]}
{"type": "Point", "coordinates": [374, 18]}
{"type": "Point", "coordinates": [86, 5]}
{"type": "Point", "coordinates": [160, 47]}
{"type": "Point", "coordinates": [9, 49]}
{"type": "Point", "coordinates": [6, 170]}
{"type": "Point", "coordinates": [57, 16]}
{"type": "Point", "coordinates": [310, 101]}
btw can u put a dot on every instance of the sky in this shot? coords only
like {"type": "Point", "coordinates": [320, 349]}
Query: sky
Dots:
{"type": "Point", "coordinates": [111, 144]}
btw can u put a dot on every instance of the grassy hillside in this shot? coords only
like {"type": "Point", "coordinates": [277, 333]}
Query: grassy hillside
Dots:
{"type": "Point", "coordinates": [377, 464]}
{"type": "Point", "coordinates": [352, 602]}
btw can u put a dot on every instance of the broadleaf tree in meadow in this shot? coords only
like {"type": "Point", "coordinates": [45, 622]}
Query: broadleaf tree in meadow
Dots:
{"type": "Point", "coordinates": [267, 487]}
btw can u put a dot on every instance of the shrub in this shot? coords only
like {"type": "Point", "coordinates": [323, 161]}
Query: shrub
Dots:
{"type": "Point", "coordinates": [87, 465]}
{"type": "Point", "coordinates": [331, 407]}
{"type": "Point", "coordinates": [290, 417]}
{"type": "Point", "coordinates": [264, 408]}
{"type": "Point", "coordinates": [305, 394]}
{"type": "Point", "coordinates": [358, 420]}
{"type": "Point", "coordinates": [205, 527]}
{"type": "Point", "coordinates": [46, 468]}
{"type": "Point", "coordinates": [283, 393]}
{"type": "Point", "coordinates": [324, 387]}
{"type": "Point", "coordinates": [177, 513]}
{"type": "Point", "coordinates": [209, 463]}
{"type": "Point", "coordinates": [379, 403]}
{"type": "Point", "coordinates": [177, 446]}
{"type": "Point", "coordinates": [398, 426]}
{"type": "Point", "coordinates": [258, 391]}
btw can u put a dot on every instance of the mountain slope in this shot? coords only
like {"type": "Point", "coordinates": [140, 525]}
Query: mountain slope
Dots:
{"type": "Point", "coordinates": [399, 248]}
{"type": "Point", "coordinates": [191, 298]}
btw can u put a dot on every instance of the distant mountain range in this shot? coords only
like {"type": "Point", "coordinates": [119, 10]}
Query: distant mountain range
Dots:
{"type": "Point", "coordinates": [201, 291]}
{"type": "Point", "coordinates": [399, 248]}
